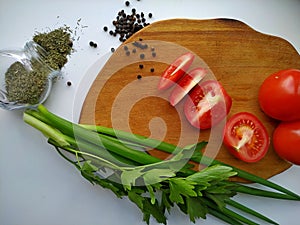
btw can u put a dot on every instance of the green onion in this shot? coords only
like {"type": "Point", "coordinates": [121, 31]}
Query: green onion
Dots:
{"type": "Point", "coordinates": [197, 157]}
{"type": "Point", "coordinates": [97, 148]}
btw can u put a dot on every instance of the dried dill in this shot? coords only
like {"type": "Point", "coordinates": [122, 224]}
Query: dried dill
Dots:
{"type": "Point", "coordinates": [58, 44]}
{"type": "Point", "coordinates": [26, 83]}
{"type": "Point", "coordinates": [23, 85]}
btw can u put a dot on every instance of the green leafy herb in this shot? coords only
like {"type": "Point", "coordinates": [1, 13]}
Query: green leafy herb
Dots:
{"type": "Point", "coordinates": [154, 185]}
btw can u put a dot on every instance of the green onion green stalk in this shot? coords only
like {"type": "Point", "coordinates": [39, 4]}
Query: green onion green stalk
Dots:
{"type": "Point", "coordinates": [119, 161]}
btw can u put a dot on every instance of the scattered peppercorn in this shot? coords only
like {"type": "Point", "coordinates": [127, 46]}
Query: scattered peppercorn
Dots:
{"type": "Point", "coordinates": [69, 83]}
{"type": "Point", "coordinates": [127, 3]}
{"type": "Point", "coordinates": [142, 56]}
{"type": "Point", "coordinates": [105, 28]}
{"type": "Point", "coordinates": [112, 49]}
{"type": "Point", "coordinates": [152, 70]}
{"type": "Point", "coordinates": [141, 66]}
{"type": "Point", "coordinates": [150, 15]}
{"type": "Point", "coordinates": [139, 76]}
{"type": "Point", "coordinates": [140, 45]}
{"type": "Point", "coordinates": [93, 44]}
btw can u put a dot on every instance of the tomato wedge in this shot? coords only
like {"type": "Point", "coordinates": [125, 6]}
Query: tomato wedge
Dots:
{"type": "Point", "coordinates": [207, 105]}
{"type": "Point", "coordinates": [190, 80]}
{"type": "Point", "coordinates": [175, 71]}
{"type": "Point", "coordinates": [246, 137]}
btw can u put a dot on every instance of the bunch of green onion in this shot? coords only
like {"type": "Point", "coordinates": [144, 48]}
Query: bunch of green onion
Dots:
{"type": "Point", "coordinates": [97, 148]}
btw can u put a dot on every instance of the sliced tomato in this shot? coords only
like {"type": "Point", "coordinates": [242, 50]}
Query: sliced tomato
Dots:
{"type": "Point", "coordinates": [190, 80]}
{"type": "Point", "coordinates": [175, 71]}
{"type": "Point", "coordinates": [246, 137]}
{"type": "Point", "coordinates": [207, 105]}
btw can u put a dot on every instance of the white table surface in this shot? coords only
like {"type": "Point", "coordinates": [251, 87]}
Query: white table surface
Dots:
{"type": "Point", "coordinates": [37, 186]}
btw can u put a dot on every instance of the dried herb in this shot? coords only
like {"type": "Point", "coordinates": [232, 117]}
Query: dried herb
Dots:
{"type": "Point", "coordinates": [58, 44]}
{"type": "Point", "coordinates": [26, 83]}
{"type": "Point", "coordinates": [23, 85]}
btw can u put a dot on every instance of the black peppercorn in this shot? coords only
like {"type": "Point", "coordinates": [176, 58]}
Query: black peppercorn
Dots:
{"type": "Point", "coordinates": [112, 49]}
{"type": "Point", "coordinates": [105, 28]}
{"type": "Point", "coordinates": [127, 3]}
{"type": "Point", "coordinates": [141, 66]}
{"type": "Point", "coordinates": [152, 70]}
{"type": "Point", "coordinates": [139, 76]}
{"type": "Point", "coordinates": [69, 83]}
{"type": "Point", "coordinates": [93, 44]}
{"type": "Point", "coordinates": [150, 15]}
{"type": "Point", "coordinates": [142, 56]}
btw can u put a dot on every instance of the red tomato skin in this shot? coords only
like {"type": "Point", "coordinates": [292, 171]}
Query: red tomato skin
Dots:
{"type": "Point", "coordinates": [186, 84]}
{"type": "Point", "coordinates": [245, 154]}
{"type": "Point", "coordinates": [175, 71]}
{"type": "Point", "coordinates": [279, 95]}
{"type": "Point", "coordinates": [215, 114]}
{"type": "Point", "coordinates": [286, 141]}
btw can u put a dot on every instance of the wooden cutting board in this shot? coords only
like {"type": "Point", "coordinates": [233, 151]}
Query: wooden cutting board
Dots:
{"type": "Point", "coordinates": [233, 53]}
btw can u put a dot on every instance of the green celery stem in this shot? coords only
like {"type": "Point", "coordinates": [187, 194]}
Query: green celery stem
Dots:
{"type": "Point", "coordinates": [169, 148]}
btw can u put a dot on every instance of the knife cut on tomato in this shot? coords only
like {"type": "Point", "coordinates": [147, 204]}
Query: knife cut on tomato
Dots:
{"type": "Point", "coordinates": [175, 71]}
{"type": "Point", "coordinates": [207, 105]}
{"type": "Point", "coordinates": [184, 85]}
{"type": "Point", "coordinates": [246, 137]}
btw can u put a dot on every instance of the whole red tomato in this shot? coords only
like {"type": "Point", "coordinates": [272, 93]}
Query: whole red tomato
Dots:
{"type": "Point", "coordinates": [286, 141]}
{"type": "Point", "coordinates": [279, 95]}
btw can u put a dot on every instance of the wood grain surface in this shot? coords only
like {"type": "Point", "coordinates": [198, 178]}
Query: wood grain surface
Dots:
{"type": "Point", "coordinates": [235, 54]}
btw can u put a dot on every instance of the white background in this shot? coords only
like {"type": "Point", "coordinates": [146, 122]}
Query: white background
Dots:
{"type": "Point", "coordinates": [37, 186]}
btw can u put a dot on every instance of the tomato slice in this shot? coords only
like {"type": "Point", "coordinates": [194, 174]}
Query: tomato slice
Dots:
{"type": "Point", "coordinates": [190, 80]}
{"type": "Point", "coordinates": [175, 71]}
{"type": "Point", "coordinates": [207, 105]}
{"type": "Point", "coordinates": [246, 137]}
